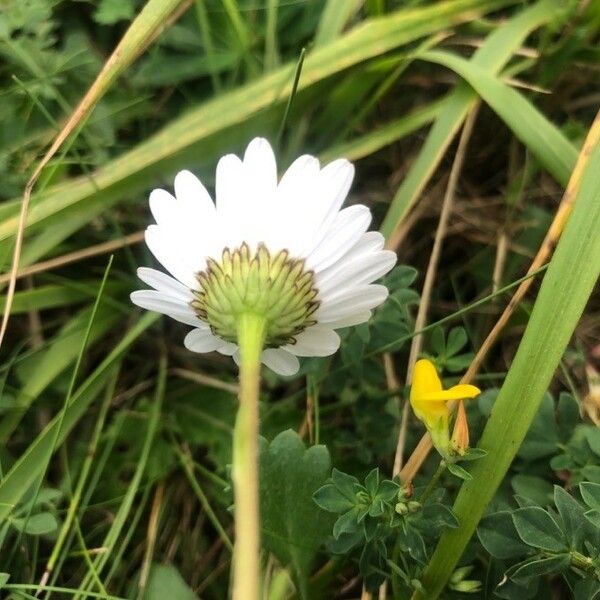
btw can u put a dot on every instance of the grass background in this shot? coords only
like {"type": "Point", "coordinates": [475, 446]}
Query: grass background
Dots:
{"type": "Point", "coordinates": [107, 424]}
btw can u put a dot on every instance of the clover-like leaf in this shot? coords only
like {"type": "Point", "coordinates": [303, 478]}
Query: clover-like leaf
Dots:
{"type": "Point", "coordinates": [498, 535]}
{"type": "Point", "coordinates": [293, 526]}
{"type": "Point", "coordinates": [537, 528]}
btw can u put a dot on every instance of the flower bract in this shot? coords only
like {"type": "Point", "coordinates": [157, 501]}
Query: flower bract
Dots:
{"type": "Point", "coordinates": [284, 250]}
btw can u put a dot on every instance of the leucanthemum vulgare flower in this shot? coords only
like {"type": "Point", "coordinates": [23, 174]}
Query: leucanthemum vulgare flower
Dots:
{"type": "Point", "coordinates": [285, 251]}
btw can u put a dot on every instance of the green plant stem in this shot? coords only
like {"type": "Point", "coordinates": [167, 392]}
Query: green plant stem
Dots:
{"type": "Point", "coordinates": [246, 557]}
{"type": "Point", "coordinates": [433, 482]}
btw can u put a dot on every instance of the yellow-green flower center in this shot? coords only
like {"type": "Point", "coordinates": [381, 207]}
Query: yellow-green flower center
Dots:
{"type": "Point", "coordinates": [276, 288]}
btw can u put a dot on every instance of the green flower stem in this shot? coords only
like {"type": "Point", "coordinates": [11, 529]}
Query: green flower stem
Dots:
{"type": "Point", "coordinates": [246, 557]}
{"type": "Point", "coordinates": [433, 482]}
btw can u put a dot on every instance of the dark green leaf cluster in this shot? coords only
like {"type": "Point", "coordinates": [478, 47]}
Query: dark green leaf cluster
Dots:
{"type": "Point", "coordinates": [380, 522]}
{"type": "Point", "coordinates": [534, 541]}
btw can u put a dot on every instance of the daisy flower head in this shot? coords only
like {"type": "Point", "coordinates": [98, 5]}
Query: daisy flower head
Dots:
{"type": "Point", "coordinates": [284, 250]}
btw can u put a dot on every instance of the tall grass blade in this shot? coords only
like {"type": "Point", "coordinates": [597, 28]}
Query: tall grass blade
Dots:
{"type": "Point", "coordinates": [495, 52]}
{"type": "Point", "coordinates": [177, 142]}
{"type": "Point", "coordinates": [29, 465]}
{"type": "Point", "coordinates": [545, 141]}
{"type": "Point", "coordinates": [563, 295]}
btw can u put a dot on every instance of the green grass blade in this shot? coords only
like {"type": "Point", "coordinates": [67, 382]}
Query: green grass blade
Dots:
{"type": "Point", "coordinates": [563, 295]}
{"type": "Point", "coordinates": [492, 56]}
{"type": "Point", "coordinates": [385, 134]}
{"type": "Point", "coordinates": [68, 396]}
{"type": "Point", "coordinates": [271, 51]}
{"type": "Point", "coordinates": [545, 141]}
{"type": "Point", "coordinates": [24, 472]}
{"type": "Point", "coordinates": [175, 143]}
{"type": "Point", "coordinates": [122, 515]}
{"type": "Point", "coordinates": [40, 369]}
{"type": "Point", "coordinates": [334, 18]}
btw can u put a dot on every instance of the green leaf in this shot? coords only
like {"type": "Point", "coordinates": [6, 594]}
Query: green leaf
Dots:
{"type": "Point", "coordinates": [593, 439]}
{"type": "Point", "coordinates": [542, 566]}
{"type": "Point", "coordinates": [39, 524]}
{"type": "Point", "coordinates": [532, 487]}
{"type": "Point", "coordinates": [333, 19]}
{"type": "Point", "coordinates": [498, 535]}
{"type": "Point", "coordinates": [113, 11]}
{"type": "Point", "coordinates": [593, 516]}
{"type": "Point", "coordinates": [388, 490]}
{"type": "Point", "coordinates": [542, 438]}
{"type": "Point", "coordinates": [348, 485]}
{"type": "Point", "coordinates": [577, 528]}
{"type": "Point", "coordinates": [459, 472]}
{"type": "Point", "coordinates": [438, 341]}
{"type": "Point", "coordinates": [437, 515]}
{"type": "Point", "coordinates": [347, 523]}
{"type": "Point", "coordinates": [473, 454]}
{"type": "Point", "coordinates": [538, 529]}
{"type": "Point", "coordinates": [372, 482]}
{"type": "Point", "coordinates": [590, 492]}
{"type": "Point", "coordinates": [330, 499]}
{"type": "Point", "coordinates": [165, 581]}
{"type": "Point", "coordinates": [457, 340]}
{"type": "Point", "coordinates": [4, 577]}
{"type": "Point", "coordinates": [294, 527]}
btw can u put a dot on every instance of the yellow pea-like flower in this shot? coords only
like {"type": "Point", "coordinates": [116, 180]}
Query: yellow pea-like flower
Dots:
{"type": "Point", "coordinates": [429, 401]}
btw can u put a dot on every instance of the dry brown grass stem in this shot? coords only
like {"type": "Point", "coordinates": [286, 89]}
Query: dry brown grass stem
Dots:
{"type": "Point", "coordinates": [424, 446]}
{"type": "Point", "coordinates": [153, 522]}
{"type": "Point", "coordinates": [430, 275]}
{"type": "Point", "coordinates": [78, 255]}
{"type": "Point", "coordinates": [206, 380]}
{"type": "Point", "coordinates": [142, 32]}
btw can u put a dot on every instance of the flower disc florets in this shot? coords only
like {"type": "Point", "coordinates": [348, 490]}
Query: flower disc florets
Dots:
{"type": "Point", "coordinates": [276, 288]}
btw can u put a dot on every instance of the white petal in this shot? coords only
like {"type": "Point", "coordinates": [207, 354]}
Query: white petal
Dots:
{"type": "Point", "coordinates": [228, 349]}
{"type": "Point", "coordinates": [315, 341]}
{"type": "Point", "coordinates": [169, 254]}
{"type": "Point", "coordinates": [345, 231]}
{"type": "Point", "coordinates": [261, 170]}
{"type": "Point", "coordinates": [350, 320]}
{"type": "Point", "coordinates": [202, 340]}
{"type": "Point", "coordinates": [351, 302]}
{"type": "Point", "coordinates": [165, 283]}
{"type": "Point", "coordinates": [290, 223]}
{"type": "Point", "coordinates": [372, 241]}
{"type": "Point", "coordinates": [229, 176]}
{"type": "Point", "coordinates": [280, 361]}
{"type": "Point", "coordinates": [355, 272]}
{"type": "Point", "coordinates": [335, 179]}
{"type": "Point", "coordinates": [323, 204]}
{"type": "Point", "coordinates": [163, 206]}
{"type": "Point", "coordinates": [167, 305]}
{"type": "Point", "coordinates": [193, 196]}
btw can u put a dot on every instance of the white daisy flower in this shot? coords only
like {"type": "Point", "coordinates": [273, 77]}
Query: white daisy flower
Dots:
{"type": "Point", "coordinates": [286, 251]}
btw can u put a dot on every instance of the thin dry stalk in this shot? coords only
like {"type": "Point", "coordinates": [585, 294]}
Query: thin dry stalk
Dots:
{"type": "Point", "coordinates": [78, 255]}
{"type": "Point", "coordinates": [430, 275]}
{"type": "Point", "coordinates": [207, 380]}
{"type": "Point", "coordinates": [424, 446]}
{"type": "Point", "coordinates": [141, 32]}
{"type": "Point", "coordinates": [151, 537]}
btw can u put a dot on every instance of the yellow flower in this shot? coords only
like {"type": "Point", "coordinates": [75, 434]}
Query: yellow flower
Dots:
{"type": "Point", "coordinates": [430, 402]}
